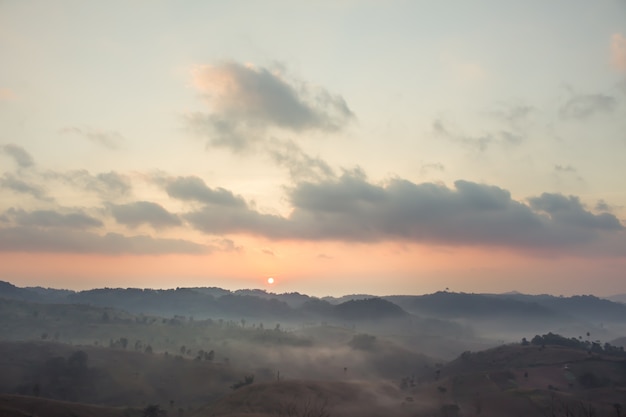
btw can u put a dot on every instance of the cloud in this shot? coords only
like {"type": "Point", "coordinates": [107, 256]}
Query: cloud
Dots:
{"type": "Point", "coordinates": [193, 188]}
{"type": "Point", "coordinates": [245, 100]}
{"type": "Point", "coordinates": [570, 211]}
{"type": "Point", "coordinates": [107, 184]}
{"type": "Point", "coordinates": [34, 239]}
{"type": "Point", "coordinates": [50, 218]}
{"type": "Point", "coordinates": [301, 165]}
{"type": "Point", "coordinates": [564, 168]}
{"type": "Point", "coordinates": [11, 182]}
{"type": "Point", "coordinates": [268, 252]}
{"type": "Point", "coordinates": [19, 154]}
{"type": "Point", "coordinates": [583, 106]}
{"type": "Point", "coordinates": [221, 220]}
{"type": "Point", "coordinates": [433, 166]}
{"type": "Point", "coordinates": [514, 114]}
{"type": "Point", "coordinates": [602, 205]}
{"type": "Point", "coordinates": [567, 170]}
{"type": "Point", "coordinates": [143, 212]}
{"type": "Point", "coordinates": [480, 143]}
{"type": "Point", "coordinates": [350, 208]}
{"type": "Point", "coordinates": [470, 214]}
{"type": "Point", "coordinates": [618, 52]}
{"type": "Point", "coordinates": [109, 139]}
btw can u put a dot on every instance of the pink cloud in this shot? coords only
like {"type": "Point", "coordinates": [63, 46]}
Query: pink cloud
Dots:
{"type": "Point", "coordinates": [618, 52]}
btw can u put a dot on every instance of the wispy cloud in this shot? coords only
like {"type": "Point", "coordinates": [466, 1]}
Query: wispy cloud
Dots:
{"type": "Point", "coordinates": [107, 138]}
{"type": "Point", "coordinates": [23, 186]}
{"type": "Point", "coordinates": [583, 106]}
{"type": "Point", "coordinates": [19, 154]}
{"type": "Point", "coordinates": [109, 185]}
{"type": "Point", "coordinates": [480, 143]}
{"type": "Point", "coordinates": [431, 166]}
{"type": "Point", "coordinates": [301, 165]}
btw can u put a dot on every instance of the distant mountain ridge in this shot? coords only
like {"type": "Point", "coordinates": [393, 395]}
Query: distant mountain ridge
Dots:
{"type": "Point", "coordinates": [213, 301]}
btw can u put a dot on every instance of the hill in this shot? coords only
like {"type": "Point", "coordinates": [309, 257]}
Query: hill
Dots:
{"type": "Point", "coordinates": [113, 377]}
{"type": "Point", "coordinates": [25, 406]}
{"type": "Point", "coordinates": [508, 380]}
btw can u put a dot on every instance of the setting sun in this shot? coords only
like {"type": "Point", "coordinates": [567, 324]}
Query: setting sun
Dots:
{"type": "Point", "coordinates": [270, 280]}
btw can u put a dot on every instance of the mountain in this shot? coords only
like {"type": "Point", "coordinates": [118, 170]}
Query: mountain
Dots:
{"type": "Point", "coordinates": [618, 298]}
{"type": "Point", "coordinates": [368, 309]}
{"type": "Point", "coordinates": [585, 307]}
{"type": "Point", "coordinates": [8, 290]}
{"type": "Point", "coordinates": [454, 305]}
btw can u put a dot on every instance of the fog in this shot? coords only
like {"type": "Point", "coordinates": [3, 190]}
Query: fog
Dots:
{"type": "Point", "coordinates": [293, 355]}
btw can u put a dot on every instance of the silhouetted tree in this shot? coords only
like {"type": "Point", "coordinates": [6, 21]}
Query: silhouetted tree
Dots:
{"type": "Point", "coordinates": [152, 410]}
{"type": "Point", "coordinates": [248, 379]}
{"type": "Point", "coordinates": [77, 362]}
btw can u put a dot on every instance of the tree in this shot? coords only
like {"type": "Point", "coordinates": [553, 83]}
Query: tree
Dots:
{"type": "Point", "coordinates": [152, 410]}
{"type": "Point", "coordinates": [77, 362]}
{"type": "Point", "coordinates": [247, 380]}
{"type": "Point", "coordinates": [312, 407]}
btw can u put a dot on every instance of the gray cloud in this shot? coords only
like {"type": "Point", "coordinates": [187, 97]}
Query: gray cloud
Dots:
{"type": "Point", "coordinates": [11, 182]}
{"type": "Point", "coordinates": [33, 239]}
{"type": "Point", "coordinates": [350, 208]}
{"type": "Point", "coordinates": [570, 211]}
{"type": "Point", "coordinates": [583, 106]}
{"type": "Point", "coordinates": [108, 139]}
{"type": "Point", "coordinates": [564, 168]}
{"type": "Point", "coordinates": [246, 100]}
{"type": "Point", "coordinates": [107, 184]}
{"type": "Point", "coordinates": [514, 114]}
{"type": "Point", "coordinates": [19, 154]}
{"type": "Point", "coordinates": [301, 165]}
{"type": "Point", "coordinates": [143, 212]}
{"type": "Point", "coordinates": [194, 189]}
{"type": "Point", "coordinates": [477, 143]}
{"type": "Point", "coordinates": [220, 220]}
{"type": "Point", "coordinates": [432, 166]}
{"type": "Point", "coordinates": [567, 170]}
{"type": "Point", "coordinates": [602, 205]}
{"type": "Point", "coordinates": [50, 218]}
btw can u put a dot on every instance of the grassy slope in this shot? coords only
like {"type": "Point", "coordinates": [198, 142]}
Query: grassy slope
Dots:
{"type": "Point", "coordinates": [113, 377]}
{"type": "Point", "coordinates": [24, 406]}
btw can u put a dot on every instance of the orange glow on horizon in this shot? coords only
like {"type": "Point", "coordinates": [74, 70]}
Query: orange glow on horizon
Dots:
{"type": "Point", "coordinates": [322, 269]}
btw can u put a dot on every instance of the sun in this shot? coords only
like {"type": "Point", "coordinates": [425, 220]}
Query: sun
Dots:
{"type": "Point", "coordinates": [270, 280]}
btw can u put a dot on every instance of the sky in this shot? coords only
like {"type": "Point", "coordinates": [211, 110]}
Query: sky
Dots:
{"type": "Point", "coordinates": [340, 147]}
